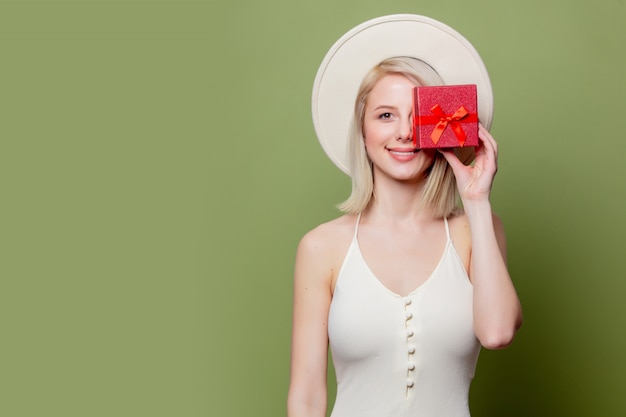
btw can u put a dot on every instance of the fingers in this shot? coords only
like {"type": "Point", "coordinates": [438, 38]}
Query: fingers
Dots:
{"type": "Point", "coordinates": [488, 140]}
{"type": "Point", "coordinates": [486, 153]}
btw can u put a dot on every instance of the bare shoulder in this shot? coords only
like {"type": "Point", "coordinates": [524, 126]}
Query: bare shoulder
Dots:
{"type": "Point", "coordinates": [461, 234]}
{"type": "Point", "coordinates": [459, 224]}
{"type": "Point", "coordinates": [322, 249]}
{"type": "Point", "coordinates": [328, 235]}
{"type": "Point", "coordinates": [460, 228]}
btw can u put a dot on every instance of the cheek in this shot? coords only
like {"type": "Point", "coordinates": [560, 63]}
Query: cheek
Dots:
{"type": "Point", "coordinates": [370, 142]}
{"type": "Point", "coordinates": [372, 133]}
{"type": "Point", "coordinates": [366, 143]}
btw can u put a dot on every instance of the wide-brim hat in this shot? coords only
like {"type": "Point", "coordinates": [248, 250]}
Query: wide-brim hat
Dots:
{"type": "Point", "coordinates": [363, 47]}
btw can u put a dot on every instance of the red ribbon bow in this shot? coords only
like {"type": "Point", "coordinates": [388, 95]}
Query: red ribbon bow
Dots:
{"type": "Point", "coordinates": [452, 120]}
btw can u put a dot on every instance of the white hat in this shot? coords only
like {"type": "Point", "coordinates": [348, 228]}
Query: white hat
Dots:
{"type": "Point", "coordinates": [363, 47]}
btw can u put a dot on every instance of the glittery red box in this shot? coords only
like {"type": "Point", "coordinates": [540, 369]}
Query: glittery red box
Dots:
{"type": "Point", "coordinates": [445, 116]}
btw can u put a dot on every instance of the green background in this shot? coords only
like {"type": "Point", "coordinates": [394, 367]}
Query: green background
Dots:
{"type": "Point", "coordinates": [158, 166]}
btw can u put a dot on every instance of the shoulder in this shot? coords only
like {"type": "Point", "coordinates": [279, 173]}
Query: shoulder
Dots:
{"type": "Point", "coordinates": [461, 234]}
{"type": "Point", "coordinates": [460, 230]}
{"type": "Point", "coordinates": [327, 235]}
{"type": "Point", "coordinates": [322, 249]}
{"type": "Point", "coordinates": [459, 223]}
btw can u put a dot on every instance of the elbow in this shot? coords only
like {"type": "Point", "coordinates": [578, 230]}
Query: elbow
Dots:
{"type": "Point", "coordinates": [499, 338]}
{"type": "Point", "coordinates": [495, 342]}
{"type": "Point", "coordinates": [306, 403]}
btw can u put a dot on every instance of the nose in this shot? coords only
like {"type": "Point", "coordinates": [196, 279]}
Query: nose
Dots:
{"type": "Point", "coordinates": [405, 130]}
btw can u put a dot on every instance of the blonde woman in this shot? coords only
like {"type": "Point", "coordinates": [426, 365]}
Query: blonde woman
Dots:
{"type": "Point", "coordinates": [406, 286]}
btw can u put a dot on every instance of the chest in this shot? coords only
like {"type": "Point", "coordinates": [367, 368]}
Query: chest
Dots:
{"type": "Point", "coordinates": [367, 319]}
{"type": "Point", "coordinates": [401, 262]}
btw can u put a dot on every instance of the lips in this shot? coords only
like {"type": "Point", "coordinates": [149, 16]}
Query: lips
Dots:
{"type": "Point", "coordinates": [403, 152]}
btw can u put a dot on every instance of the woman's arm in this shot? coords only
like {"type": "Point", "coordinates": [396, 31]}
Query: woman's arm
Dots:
{"type": "Point", "coordinates": [497, 310]}
{"type": "Point", "coordinates": [309, 350]}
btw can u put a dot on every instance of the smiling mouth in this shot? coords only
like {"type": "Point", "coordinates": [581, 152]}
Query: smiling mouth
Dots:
{"type": "Point", "coordinates": [404, 153]}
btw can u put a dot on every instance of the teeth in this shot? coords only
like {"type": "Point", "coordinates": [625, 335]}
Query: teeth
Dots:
{"type": "Point", "coordinates": [402, 153]}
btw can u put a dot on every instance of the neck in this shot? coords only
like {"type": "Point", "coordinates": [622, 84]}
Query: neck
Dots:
{"type": "Point", "coordinates": [398, 201]}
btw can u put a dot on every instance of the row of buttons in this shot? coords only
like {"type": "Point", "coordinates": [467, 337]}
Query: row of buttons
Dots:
{"type": "Point", "coordinates": [410, 347]}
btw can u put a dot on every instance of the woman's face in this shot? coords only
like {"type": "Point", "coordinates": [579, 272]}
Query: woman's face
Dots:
{"type": "Point", "coordinates": [388, 130]}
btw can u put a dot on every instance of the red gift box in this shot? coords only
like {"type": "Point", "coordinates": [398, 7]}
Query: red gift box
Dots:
{"type": "Point", "coordinates": [445, 116]}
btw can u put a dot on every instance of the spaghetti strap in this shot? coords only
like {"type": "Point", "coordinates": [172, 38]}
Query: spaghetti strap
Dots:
{"type": "Point", "coordinates": [445, 221]}
{"type": "Point", "coordinates": [356, 226]}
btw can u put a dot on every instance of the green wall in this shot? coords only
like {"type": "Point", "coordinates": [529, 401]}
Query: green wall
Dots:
{"type": "Point", "coordinates": [158, 166]}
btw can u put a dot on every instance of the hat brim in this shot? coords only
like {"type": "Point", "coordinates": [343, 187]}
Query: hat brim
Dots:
{"type": "Point", "coordinates": [360, 49]}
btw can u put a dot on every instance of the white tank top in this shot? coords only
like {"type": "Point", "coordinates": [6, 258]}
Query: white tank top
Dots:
{"type": "Point", "coordinates": [396, 356]}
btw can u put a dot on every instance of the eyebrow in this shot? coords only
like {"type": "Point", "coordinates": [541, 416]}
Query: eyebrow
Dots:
{"type": "Point", "coordinates": [384, 107]}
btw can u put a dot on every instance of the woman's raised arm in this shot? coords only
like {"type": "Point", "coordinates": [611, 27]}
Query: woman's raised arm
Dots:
{"type": "Point", "coordinates": [497, 309]}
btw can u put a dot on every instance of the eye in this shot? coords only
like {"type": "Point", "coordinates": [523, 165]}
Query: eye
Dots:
{"type": "Point", "coordinates": [385, 116]}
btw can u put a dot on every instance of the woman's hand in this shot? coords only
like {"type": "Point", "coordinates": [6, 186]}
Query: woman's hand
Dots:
{"type": "Point", "coordinates": [474, 181]}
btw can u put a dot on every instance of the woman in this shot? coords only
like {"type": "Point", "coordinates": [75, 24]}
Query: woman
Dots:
{"type": "Point", "coordinates": [405, 286]}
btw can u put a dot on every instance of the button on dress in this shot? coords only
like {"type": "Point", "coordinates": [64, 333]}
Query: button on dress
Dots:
{"type": "Point", "coordinates": [395, 356]}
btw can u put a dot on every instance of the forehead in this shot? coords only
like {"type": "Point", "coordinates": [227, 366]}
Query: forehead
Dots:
{"type": "Point", "coordinates": [393, 79]}
{"type": "Point", "coordinates": [392, 87]}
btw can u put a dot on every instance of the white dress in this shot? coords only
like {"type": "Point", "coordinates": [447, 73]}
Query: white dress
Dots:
{"type": "Point", "coordinates": [394, 356]}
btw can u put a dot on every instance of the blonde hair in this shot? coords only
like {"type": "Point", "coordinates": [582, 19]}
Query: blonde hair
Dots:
{"type": "Point", "coordinates": [440, 192]}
